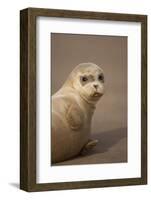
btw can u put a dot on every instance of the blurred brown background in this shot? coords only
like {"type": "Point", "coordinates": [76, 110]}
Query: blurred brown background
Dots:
{"type": "Point", "coordinates": [109, 123]}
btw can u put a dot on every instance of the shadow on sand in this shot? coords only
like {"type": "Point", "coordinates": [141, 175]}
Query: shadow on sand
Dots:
{"type": "Point", "coordinates": [108, 139]}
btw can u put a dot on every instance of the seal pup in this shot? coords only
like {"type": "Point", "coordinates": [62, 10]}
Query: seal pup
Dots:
{"type": "Point", "coordinates": [72, 110]}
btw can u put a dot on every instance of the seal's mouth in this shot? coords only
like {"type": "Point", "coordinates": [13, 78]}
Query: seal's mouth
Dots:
{"type": "Point", "coordinates": [96, 94]}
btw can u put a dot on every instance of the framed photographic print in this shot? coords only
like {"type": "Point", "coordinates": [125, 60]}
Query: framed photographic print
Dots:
{"type": "Point", "coordinates": [83, 99]}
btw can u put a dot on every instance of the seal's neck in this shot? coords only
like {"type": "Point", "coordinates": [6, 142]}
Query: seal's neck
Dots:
{"type": "Point", "coordinates": [88, 103]}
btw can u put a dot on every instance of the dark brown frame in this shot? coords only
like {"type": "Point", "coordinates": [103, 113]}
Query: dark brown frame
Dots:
{"type": "Point", "coordinates": [28, 98]}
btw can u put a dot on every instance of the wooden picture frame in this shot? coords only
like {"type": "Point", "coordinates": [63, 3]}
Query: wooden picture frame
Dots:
{"type": "Point", "coordinates": [28, 98]}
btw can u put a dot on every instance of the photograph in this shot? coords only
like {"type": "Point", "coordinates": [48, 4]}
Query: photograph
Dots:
{"type": "Point", "coordinates": [88, 99]}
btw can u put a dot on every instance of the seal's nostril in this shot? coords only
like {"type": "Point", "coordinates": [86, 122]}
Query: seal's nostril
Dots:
{"type": "Point", "coordinates": [95, 86]}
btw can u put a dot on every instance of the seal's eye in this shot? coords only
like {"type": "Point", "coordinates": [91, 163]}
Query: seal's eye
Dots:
{"type": "Point", "coordinates": [84, 78]}
{"type": "Point", "coordinates": [101, 77]}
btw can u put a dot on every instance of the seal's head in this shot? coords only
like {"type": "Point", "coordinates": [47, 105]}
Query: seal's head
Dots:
{"type": "Point", "coordinates": [88, 80]}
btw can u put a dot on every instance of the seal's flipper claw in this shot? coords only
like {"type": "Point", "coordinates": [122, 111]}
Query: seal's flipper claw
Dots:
{"type": "Point", "coordinates": [89, 146]}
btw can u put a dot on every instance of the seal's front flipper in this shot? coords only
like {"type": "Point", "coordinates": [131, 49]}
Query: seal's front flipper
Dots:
{"type": "Point", "coordinates": [75, 117]}
{"type": "Point", "coordinates": [89, 146]}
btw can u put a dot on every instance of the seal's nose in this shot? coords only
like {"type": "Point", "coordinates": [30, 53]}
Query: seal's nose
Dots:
{"type": "Point", "coordinates": [95, 86]}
